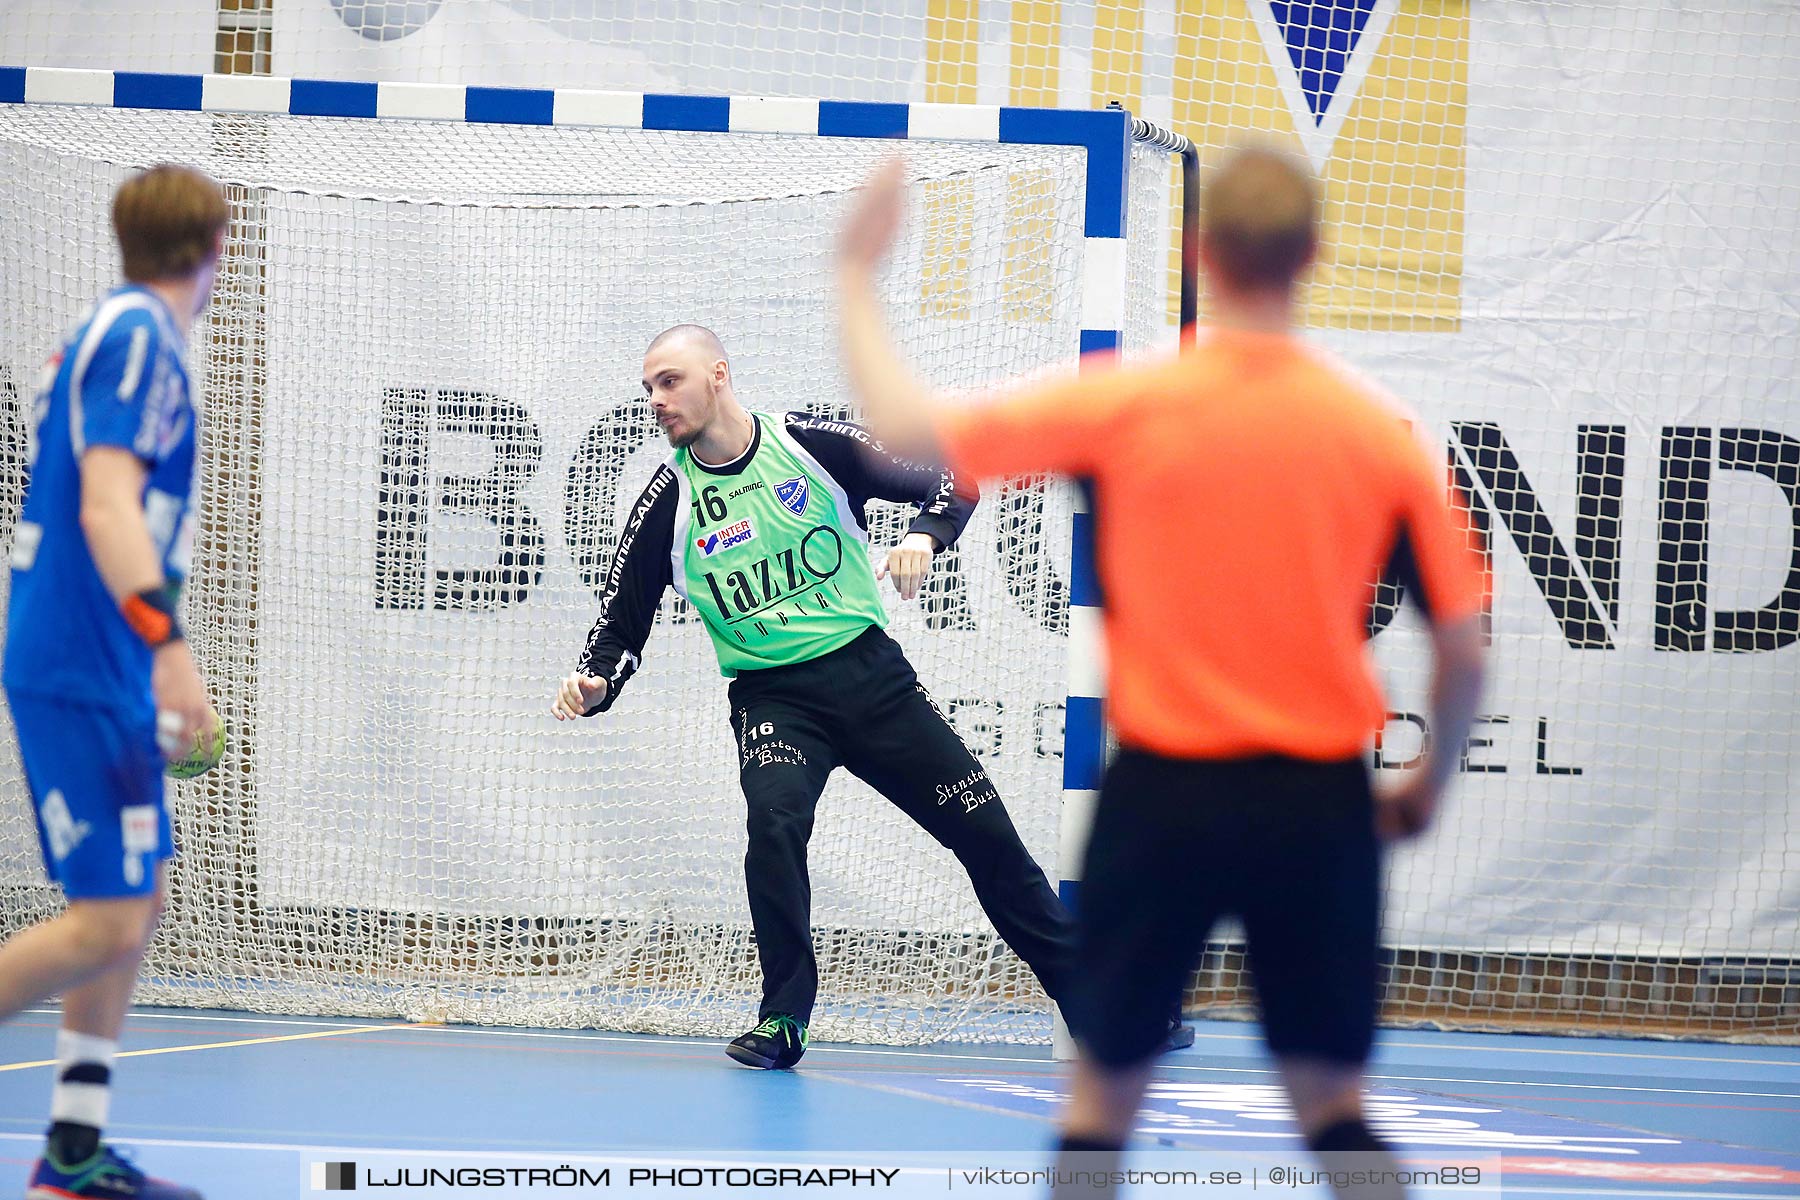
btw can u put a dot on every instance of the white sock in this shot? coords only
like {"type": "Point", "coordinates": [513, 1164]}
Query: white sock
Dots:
{"type": "Point", "coordinates": [82, 1101]}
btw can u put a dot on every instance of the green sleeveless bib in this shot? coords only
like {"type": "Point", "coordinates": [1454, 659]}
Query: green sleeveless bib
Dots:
{"type": "Point", "coordinates": [772, 558]}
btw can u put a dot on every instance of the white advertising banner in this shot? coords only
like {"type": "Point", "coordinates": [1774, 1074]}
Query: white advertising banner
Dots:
{"type": "Point", "coordinates": [110, 35]}
{"type": "Point", "coordinates": [433, 543]}
{"type": "Point", "coordinates": [833, 49]}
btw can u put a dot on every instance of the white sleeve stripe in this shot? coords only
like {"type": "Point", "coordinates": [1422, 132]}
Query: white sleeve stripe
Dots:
{"type": "Point", "coordinates": [134, 362]}
{"type": "Point", "coordinates": [678, 536]}
{"type": "Point", "coordinates": [98, 325]}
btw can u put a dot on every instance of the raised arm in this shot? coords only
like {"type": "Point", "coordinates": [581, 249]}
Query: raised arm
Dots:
{"type": "Point", "coordinates": [1024, 427]}
{"type": "Point", "coordinates": [898, 407]}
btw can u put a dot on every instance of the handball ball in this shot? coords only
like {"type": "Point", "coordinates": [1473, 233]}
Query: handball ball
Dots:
{"type": "Point", "coordinates": [385, 20]}
{"type": "Point", "coordinates": [207, 750]}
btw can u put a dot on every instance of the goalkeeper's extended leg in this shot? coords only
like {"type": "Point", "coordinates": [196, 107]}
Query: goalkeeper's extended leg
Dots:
{"type": "Point", "coordinates": [908, 753]}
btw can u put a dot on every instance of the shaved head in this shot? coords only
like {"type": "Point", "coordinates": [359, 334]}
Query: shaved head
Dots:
{"type": "Point", "coordinates": [699, 336]}
{"type": "Point", "coordinates": [688, 381]}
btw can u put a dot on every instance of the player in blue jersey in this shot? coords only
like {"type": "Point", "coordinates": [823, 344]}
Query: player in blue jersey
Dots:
{"type": "Point", "coordinates": [98, 675]}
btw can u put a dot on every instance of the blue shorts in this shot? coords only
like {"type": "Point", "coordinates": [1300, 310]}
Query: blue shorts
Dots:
{"type": "Point", "coordinates": [96, 779]}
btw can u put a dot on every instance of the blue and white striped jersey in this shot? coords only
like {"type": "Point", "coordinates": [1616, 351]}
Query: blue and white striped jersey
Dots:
{"type": "Point", "coordinates": [120, 379]}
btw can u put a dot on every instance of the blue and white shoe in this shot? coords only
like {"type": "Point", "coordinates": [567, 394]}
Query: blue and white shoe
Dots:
{"type": "Point", "coordinates": [105, 1176]}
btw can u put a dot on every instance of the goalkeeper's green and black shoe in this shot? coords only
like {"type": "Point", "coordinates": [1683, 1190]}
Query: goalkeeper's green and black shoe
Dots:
{"type": "Point", "coordinates": [775, 1044]}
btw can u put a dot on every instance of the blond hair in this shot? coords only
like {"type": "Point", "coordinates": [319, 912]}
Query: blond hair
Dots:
{"type": "Point", "coordinates": [168, 220]}
{"type": "Point", "coordinates": [1260, 217]}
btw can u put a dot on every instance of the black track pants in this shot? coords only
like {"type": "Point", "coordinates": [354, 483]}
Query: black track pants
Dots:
{"type": "Point", "coordinates": [862, 707]}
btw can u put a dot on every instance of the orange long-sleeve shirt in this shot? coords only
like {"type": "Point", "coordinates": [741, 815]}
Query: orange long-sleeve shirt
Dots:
{"type": "Point", "coordinates": [1247, 494]}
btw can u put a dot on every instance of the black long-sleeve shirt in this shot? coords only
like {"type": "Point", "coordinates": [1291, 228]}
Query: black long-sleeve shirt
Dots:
{"type": "Point", "coordinates": [642, 562]}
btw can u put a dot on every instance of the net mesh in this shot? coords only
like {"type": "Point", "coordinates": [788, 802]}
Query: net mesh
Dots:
{"type": "Point", "coordinates": [421, 435]}
{"type": "Point", "coordinates": [1560, 232]}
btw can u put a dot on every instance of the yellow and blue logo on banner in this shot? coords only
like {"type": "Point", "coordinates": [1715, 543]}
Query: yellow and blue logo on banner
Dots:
{"type": "Point", "coordinates": [1373, 92]}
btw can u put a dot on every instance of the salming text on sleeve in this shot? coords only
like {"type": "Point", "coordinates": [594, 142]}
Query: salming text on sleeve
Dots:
{"type": "Point", "coordinates": [867, 470]}
{"type": "Point", "coordinates": [633, 587]}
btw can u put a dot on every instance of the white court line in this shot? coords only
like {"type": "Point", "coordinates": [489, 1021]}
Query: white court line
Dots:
{"type": "Point", "coordinates": [1587, 1087]}
{"type": "Point", "coordinates": [894, 1089]}
{"type": "Point", "coordinates": [122, 1131]}
{"type": "Point", "coordinates": [255, 1041]}
{"type": "Point", "coordinates": [138, 1013]}
{"type": "Point", "coordinates": [1700, 1058]}
{"type": "Point", "coordinates": [1199, 1037]}
{"type": "Point", "coordinates": [311, 1148]}
{"type": "Point", "coordinates": [960, 1058]}
{"type": "Point", "coordinates": [670, 1040]}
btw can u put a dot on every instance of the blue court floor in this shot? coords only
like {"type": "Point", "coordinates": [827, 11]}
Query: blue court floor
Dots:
{"type": "Point", "coordinates": [239, 1105]}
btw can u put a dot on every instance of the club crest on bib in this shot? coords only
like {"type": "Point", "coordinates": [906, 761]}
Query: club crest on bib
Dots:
{"type": "Point", "coordinates": [793, 494]}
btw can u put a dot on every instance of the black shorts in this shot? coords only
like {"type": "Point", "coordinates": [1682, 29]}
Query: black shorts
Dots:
{"type": "Point", "coordinates": [1287, 846]}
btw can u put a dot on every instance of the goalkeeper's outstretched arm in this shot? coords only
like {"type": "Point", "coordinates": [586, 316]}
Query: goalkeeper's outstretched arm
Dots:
{"type": "Point", "coordinates": [633, 587]}
{"type": "Point", "coordinates": [867, 470]}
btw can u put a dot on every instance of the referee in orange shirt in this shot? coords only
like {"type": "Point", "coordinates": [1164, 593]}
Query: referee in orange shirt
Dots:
{"type": "Point", "coordinates": [1247, 495]}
